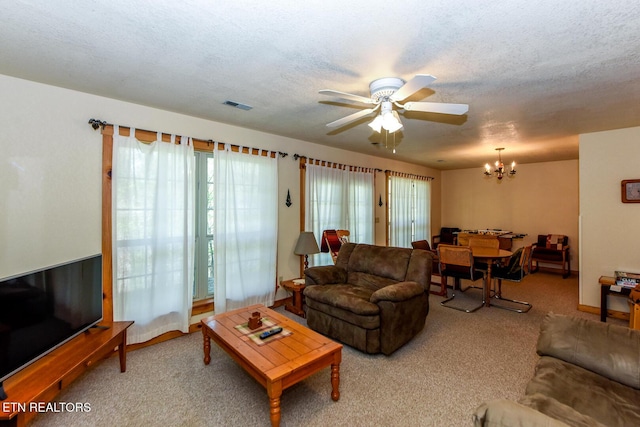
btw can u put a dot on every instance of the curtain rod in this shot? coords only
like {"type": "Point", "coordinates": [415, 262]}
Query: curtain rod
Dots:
{"type": "Point", "coordinates": [299, 156]}
{"type": "Point", "coordinates": [96, 123]}
{"type": "Point", "coordinates": [409, 175]}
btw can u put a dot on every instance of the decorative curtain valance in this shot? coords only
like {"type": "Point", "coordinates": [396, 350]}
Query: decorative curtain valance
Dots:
{"type": "Point", "coordinates": [198, 144]}
{"type": "Point", "coordinates": [334, 165]}
{"type": "Point", "coordinates": [389, 173]}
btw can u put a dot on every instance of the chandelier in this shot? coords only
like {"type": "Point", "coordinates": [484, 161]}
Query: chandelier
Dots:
{"type": "Point", "coordinates": [499, 171]}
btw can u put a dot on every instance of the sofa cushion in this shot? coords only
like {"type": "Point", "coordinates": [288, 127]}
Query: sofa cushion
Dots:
{"type": "Point", "coordinates": [604, 400]}
{"type": "Point", "coordinates": [604, 348]}
{"type": "Point", "coordinates": [347, 297]}
{"type": "Point", "coordinates": [553, 240]}
{"type": "Point", "coordinates": [367, 280]}
{"type": "Point", "coordinates": [385, 262]}
{"type": "Point", "coordinates": [348, 317]}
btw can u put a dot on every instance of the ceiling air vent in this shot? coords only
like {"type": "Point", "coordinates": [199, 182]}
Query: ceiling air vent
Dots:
{"type": "Point", "coordinates": [237, 105]}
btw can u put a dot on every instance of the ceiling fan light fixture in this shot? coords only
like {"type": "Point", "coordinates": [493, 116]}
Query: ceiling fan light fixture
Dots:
{"type": "Point", "coordinates": [387, 92]}
{"type": "Point", "coordinates": [391, 122]}
{"type": "Point", "coordinates": [376, 124]}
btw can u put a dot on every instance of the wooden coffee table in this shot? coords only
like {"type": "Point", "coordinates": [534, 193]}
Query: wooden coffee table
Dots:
{"type": "Point", "coordinates": [276, 364]}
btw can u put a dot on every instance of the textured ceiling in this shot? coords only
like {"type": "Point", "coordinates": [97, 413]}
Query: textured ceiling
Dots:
{"type": "Point", "coordinates": [535, 74]}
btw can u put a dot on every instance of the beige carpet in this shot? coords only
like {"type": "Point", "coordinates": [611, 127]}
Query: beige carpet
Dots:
{"type": "Point", "coordinates": [438, 379]}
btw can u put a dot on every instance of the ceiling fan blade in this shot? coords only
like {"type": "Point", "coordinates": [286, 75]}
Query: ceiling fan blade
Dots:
{"type": "Point", "coordinates": [352, 117]}
{"type": "Point", "coordinates": [345, 95]}
{"type": "Point", "coordinates": [437, 107]}
{"type": "Point", "coordinates": [412, 86]}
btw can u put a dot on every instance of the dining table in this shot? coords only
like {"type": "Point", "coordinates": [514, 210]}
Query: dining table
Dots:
{"type": "Point", "coordinates": [490, 256]}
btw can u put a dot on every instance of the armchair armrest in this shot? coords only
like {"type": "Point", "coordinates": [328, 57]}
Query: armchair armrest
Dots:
{"type": "Point", "coordinates": [325, 275]}
{"type": "Point", "coordinates": [397, 292]}
{"type": "Point", "coordinates": [502, 412]}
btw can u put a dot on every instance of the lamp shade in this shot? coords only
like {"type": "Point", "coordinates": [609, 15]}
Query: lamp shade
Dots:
{"type": "Point", "coordinates": [307, 244]}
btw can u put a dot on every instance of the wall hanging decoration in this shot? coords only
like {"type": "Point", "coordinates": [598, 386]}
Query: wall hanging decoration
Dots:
{"type": "Point", "coordinates": [288, 202]}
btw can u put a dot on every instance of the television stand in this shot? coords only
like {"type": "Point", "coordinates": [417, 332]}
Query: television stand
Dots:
{"type": "Point", "coordinates": [45, 378]}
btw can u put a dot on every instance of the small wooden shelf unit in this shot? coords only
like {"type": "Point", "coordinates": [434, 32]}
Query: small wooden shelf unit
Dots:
{"type": "Point", "coordinates": [44, 379]}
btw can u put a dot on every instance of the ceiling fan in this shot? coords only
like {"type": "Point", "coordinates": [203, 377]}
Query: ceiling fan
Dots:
{"type": "Point", "coordinates": [387, 92]}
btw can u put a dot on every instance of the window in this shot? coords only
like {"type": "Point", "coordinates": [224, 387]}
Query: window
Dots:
{"type": "Point", "coordinates": [337, 198]}
{"type": "Point", "coordinates": [409, 210]}
{"type": "Point", "coordinates": [203, 278]}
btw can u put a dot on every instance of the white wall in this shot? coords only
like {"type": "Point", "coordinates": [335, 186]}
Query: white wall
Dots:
{"type": "Point", "coordinates": [50, 172]}
{"type": "Point", "coordinates": [542, 198]}
{"type": "Point", "coordinates": [610, 232]}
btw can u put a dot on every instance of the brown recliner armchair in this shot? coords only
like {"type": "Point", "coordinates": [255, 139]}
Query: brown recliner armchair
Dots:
{"type": "Point", "coordinates": [552, 249]}
{"type": "Point", "coordinates": [375, 298]}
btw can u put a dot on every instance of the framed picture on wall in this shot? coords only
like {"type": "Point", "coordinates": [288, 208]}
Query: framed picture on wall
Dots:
{"type": "Point", "coordinates": [631, 191]}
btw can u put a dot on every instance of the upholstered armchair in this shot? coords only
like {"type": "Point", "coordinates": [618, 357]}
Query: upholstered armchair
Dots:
{"type": "Point", "coordinates": [375, 298]}
{"type": "Point", "coordinates": [551, 249]}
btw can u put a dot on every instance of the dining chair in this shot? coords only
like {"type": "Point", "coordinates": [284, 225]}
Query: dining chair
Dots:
{"type": "Point", "coordinates": [435, 270]}
{"type": "Point", "coordinates": [332, 240]}
{"type": "Point", "coordinates": [516, 270]}
{"type": "Point", "coordinates": [485, 242]}
{"type": "Point", "coordinates": [457, 262]}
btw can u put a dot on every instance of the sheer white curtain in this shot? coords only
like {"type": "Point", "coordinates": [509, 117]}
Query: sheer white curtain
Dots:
{"type": "Point", "coordinates": [400, 211]}
{"type": "Point", "coordinates": [153, 234]}
{"type": "Point", "coordinates": [360, 206]}
{"type": "Point", "coordinates": [409, 210]}
{"type": "Point", "coordinates": [246, 229]}
{"type": "Point", "coordinates": [338, 199]}
{"type": "Point", "coordinates": [422, 217]}
{"type": "Point", "coordinates": [326, 197]}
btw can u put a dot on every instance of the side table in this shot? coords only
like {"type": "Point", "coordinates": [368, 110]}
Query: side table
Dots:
{"type": "Point", "coordinates": [606, 282]}
{"type": "Point", "coordinates": [298, 298]}
{"type": "Point", "coordinates": [634, 315]}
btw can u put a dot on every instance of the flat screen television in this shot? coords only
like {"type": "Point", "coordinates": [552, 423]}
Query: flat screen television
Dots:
{"type": "Point", "coordinates": [43, 309]}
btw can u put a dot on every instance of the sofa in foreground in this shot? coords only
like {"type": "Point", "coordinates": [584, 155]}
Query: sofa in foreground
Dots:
{"type": "Point", "coordinates": [375, 298]}
{"type": "Point", "coordinates": [588, 375]}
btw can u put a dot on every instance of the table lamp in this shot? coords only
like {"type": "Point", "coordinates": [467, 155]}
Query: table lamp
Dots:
{"type": "Point", "coordinates": [306, 245]}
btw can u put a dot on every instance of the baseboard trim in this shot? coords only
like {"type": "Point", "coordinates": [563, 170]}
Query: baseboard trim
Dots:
{"type": "Point", "coordinates": [610, 313]}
